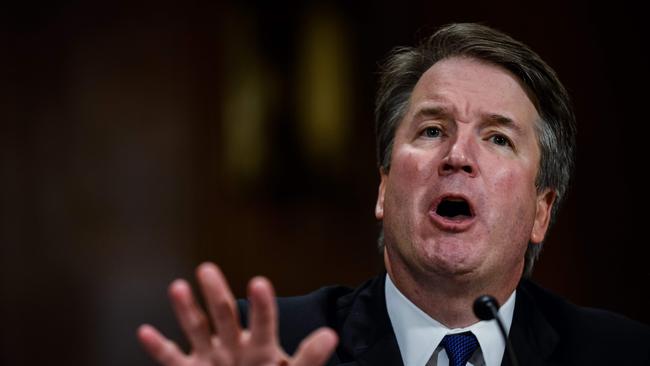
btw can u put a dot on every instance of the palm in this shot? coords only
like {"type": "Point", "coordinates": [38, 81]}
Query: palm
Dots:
{"type": "Point", "coordinates": [230, 345]}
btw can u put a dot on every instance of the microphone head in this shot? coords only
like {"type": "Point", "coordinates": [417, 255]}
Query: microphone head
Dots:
{"type": "Point", "coordinates": [485, 307]}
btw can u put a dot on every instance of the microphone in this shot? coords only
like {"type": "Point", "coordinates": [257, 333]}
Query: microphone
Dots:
{"type": "Point", "coordinates": [486, 307]}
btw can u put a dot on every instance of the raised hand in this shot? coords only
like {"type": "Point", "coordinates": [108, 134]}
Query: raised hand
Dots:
{"type": "Point", "coordinates": [229, 344]}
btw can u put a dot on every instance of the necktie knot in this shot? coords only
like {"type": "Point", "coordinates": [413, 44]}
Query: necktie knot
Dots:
{"type": "Point", "coordinates": [459, 347]}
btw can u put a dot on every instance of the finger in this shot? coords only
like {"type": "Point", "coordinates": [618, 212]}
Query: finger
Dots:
{"type": "Point", "coordinates": [220, 303]}
{"type": "Point", "coordinates": [263, 312]}
{"type": "Point", "coordinates": [190, 316]}
{"type": "Point", "coordinates": [316, 348]}
{"type": "Point", "coordinates": [160, 348]}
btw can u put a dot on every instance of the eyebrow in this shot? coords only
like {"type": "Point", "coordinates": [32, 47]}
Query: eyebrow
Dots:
{"type": "Point", "coordinates": [494, 119]}
{"type": "Point", "coordinates": [432, 112]}
{"type": "Point", "coordinates": [490, 119]}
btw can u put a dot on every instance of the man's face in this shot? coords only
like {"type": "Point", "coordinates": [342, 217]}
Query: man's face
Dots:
{"type": "Point", "coordinates": [460, 197]}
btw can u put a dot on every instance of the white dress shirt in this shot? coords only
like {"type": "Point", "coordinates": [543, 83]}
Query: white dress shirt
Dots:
{"type": "Point", "coordinates": [419, 336]}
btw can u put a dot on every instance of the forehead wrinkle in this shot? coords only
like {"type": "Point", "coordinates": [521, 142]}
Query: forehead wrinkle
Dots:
{"type": "Point", "coordinates": [432, 110]}
{"type": "Point", "coordinates": [455, 85]}
{"type": "Point", "coordinates": [437, 105]}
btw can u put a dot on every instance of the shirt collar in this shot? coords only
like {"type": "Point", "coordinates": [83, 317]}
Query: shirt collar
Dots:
{"type": "Point", "coordinates": [418, 335]}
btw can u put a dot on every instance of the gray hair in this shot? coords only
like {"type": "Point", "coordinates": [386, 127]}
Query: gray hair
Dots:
{"type": "Point", "coordinates": [555, 131]}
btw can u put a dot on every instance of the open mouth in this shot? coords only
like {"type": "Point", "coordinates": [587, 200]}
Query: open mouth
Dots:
{"type": "Point", "coordinates": [454, 208]}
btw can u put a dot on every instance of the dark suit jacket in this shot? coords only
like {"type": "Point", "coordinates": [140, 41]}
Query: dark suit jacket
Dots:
{"type": "Point", "coordinates": [546, 330]}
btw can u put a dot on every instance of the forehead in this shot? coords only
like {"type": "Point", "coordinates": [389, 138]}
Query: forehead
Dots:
{"type": "Point", "coordinates": [470, 87]}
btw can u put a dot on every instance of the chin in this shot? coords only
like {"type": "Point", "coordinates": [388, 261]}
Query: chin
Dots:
{"type": "Point", "coordinates": [450, 263]}
{"type": "Point", "coordinates": [452, 269]}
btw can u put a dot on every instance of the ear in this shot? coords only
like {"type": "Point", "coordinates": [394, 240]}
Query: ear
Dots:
{"type": "Point", "coordinates": [379, 206]}
{"type": "Point", "coordinates": [543, 211]}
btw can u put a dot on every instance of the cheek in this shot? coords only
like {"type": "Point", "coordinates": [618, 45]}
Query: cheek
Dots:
{"type": "Point", "coordinates": [509, 178]}
{"type": "Point", "coordinates": [413, 167]}
{"type": "Point", "coordinates": [410, 176]}
{"type": "Point", "coordinates": [512, 213]}
{"type": "Point", "coordinates": [514, 192]}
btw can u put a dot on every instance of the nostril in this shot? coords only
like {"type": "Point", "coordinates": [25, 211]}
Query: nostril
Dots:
{"type": "Point", "coordinates": [450, 168]}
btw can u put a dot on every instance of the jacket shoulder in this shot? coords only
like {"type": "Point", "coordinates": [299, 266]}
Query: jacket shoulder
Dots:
{"type": "Point", "coordinates": [588, 333]}
{"type": "Point", "coordinates": [298, 316]}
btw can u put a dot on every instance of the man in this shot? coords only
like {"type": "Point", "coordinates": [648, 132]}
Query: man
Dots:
{"type": "Point", "coordinates": [475, 136]}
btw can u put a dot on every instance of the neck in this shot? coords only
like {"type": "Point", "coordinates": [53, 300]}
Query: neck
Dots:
{"type": "Point", "coordinates": [447, 298]}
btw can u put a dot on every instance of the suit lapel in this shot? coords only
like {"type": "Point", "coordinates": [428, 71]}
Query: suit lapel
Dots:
{"type": "Point", "coordinates": [533, 338]}
{"type": "Point", "coordinates": [367, 334]}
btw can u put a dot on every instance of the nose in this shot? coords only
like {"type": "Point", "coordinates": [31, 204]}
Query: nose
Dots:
{"type": "Point", "coordinates": [459, 158]}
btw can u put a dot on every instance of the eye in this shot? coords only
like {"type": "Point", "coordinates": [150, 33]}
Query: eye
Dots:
{"type": "Point", "coordinates": [432, 132]}
{"type": "Point", "coordinates": [501, 140]}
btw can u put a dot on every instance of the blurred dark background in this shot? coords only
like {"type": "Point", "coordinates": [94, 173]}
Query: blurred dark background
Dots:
{"type": "Point", "coordinates": [139, 138]}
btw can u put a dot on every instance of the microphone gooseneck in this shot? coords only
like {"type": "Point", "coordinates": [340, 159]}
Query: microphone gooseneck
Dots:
{"type": "Point", "coordinates": [486, 307]}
